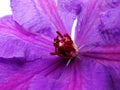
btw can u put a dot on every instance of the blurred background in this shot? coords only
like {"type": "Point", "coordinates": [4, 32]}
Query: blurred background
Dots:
{"type": "Point", "coordinates": [5, 7]}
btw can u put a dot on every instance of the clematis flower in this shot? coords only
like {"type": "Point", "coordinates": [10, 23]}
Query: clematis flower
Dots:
{"type": "Point", "coordinates": [60, 45]}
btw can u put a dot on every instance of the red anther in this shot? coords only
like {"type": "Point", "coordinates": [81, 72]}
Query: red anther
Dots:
{"type": "Point", "coordinates": [64, 46]}
{"type": "Point", "coordinates": [59, 34]}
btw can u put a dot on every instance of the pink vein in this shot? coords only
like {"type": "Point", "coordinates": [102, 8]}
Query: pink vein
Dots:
{"type": "Point", "coordinates": [87, 16]}
{"type": "Point", "coordinates": [30, 39]}
{"type": "Point", "coordinates": [51, 11]}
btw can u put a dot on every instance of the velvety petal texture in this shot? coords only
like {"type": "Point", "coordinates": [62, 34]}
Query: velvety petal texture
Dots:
{"type": "Point", "coordinates": [112, 3]}
{"type": "Point", "coordinates": [16, 42]}
{"type": "Point", "coordinates": [100, 35]}
{"type": "Point", "coordinates": [18, 48]}
{"type": "Point", "coordinates": [26, 41]}
{"type": "Point", "coordinates": [69, 10]}
{"type": "Point", "coordinates": [97, 34]}
{"type": "Point", "coordinates": [41, 16]}
{"type": "Point", "coordinates": [27, 15]}
{"type": "Point", "coordinates": [88, 21]}
{"type": "Point", "coordinates": [97, 25]}
{"type": "Point", "coordinates": [56, 75]}
{"type": "Point", "coordinates": [71, 6]}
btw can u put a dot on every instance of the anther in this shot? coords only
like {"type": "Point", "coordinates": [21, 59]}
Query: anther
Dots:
{"type": "Point", "coordinates": [64, 46]}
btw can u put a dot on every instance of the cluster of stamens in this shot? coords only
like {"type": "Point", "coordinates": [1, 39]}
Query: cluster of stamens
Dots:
{"type": "Point", "coordinates": [64, 46]}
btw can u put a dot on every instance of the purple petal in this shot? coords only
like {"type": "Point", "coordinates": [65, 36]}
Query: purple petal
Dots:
{"type": "Point", "coordinates": [48, 70]}
{"type": "Point", "coordinates": [16, 42]}
{"type": "Point", "coordinates": [37, 15]}
{"type": "Point", "coordinates": [88, 22]}
{"type": "Point", "coordinates": [14, 76]}
{"type": "Point", "coordinates": [109, 53]}
{"type": "Point", "coordinates": [114, 69]}
{"type": "Point", "coordinates": [113, 3]}
{"type": "Point", "coordinates": [52, 73]}
{"type": "Point", "coordinates": [71, 6]}
{"type": "Point", "coordinates": [94, 75]}
{"type": "Point", "coordinates": [110, 18]}
{"type": "Point", "coordinates": [101, 40]}
{"type": "Point", "coordinates": [27, 14]}
{"type": "Point", "coordinates": [69, 10]}
{"type": "Point", "coordinates": [109, 56]}
{"type": "Point", "coordinates": [98, 26]}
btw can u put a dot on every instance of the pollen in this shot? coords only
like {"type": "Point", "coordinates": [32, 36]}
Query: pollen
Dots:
{"type": "Point", "coordinates": [64, 46]}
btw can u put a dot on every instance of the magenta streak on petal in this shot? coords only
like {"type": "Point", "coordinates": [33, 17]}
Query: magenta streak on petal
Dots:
{"type": "Point", "coordinates": [50, 10]}
{"type": "Point", "coordinates": [40, 37]}
{"type": "Point", "coordinates": [24, 77]}
{"type": "Point", "coordinates": [72, 87]}
{"type": "Point", "coordinates": [52, 70]}
{"type": "Point", "coordinates": [16, 81]}
{"type": "Point", "coordinates": [69, 85]}
{"type": "Point", "coordinates": [109, 53]}
{"type": "Point", "coordinates": [23, 86]}
{"type": "Point", "coordinates": [30, 39]}
{"type": "Point", "coordinates": [79, 75]}
{"type": "Point", "coordinates": [74, 78]}
{"type": "Point", "coordinates": [89, 19]}
{"type": "Point", "coordinates": [92, 21]}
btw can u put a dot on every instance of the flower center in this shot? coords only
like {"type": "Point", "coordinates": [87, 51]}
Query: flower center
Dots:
{"type": "Point", "coordinates": [64, 46]}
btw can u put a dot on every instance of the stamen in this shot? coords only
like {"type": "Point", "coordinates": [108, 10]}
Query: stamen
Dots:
{"type": "Point", "coordinates": [59, 34]}
{"type": "Point", "coordinates": [64, 46]}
